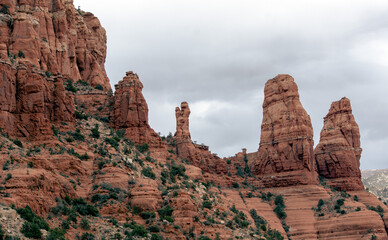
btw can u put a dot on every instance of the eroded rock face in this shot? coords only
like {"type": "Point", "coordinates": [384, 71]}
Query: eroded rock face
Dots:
{"type": "Point", "coordinates": [43, 44]}
{"type": "Point", "coordinates": [184, 210]}
{"type": "Point", "coordinates": [285, 155]}
{"type": "Point", "coordinates": [53, 36]}
{"type": "Point", "coordinates": [338, 152]}
{"type": "Point", "coordinates": [146, 195]}
{"type": "Point", "coordinates": [198, 155]}
{"type": "Point", "coordinates": [31, 102]}
{"type": "Point", "coordinates": [131, 111]}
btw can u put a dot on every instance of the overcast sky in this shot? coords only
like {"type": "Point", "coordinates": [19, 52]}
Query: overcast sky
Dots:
{"type": "Point", "coordinates": [217, 55]}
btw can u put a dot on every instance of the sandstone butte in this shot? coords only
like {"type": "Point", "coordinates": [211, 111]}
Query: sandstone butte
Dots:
{"type": "Point", "coordinates": [286, 155]}
{"type": "Point", "coordinates": [86, 160]}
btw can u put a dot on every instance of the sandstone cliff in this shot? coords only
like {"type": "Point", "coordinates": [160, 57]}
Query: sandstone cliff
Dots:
{"type": "Point", "coordinates": [338, 152]}
{"type": "Point", "coordinates": [285, 155]}
{"type": "Point", "coordinates": [44, 45]}
{"type": "Point", "coordinates": [53, 36]}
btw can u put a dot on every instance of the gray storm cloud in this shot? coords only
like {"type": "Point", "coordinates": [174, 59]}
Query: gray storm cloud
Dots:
{"type": "Point", "coordinates": [217, 55]}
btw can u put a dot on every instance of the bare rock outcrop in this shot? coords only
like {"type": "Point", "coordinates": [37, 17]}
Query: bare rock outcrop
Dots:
{"type": "Point", "coordinates": [146, 195]}
{"type": "Point", "coordinates": [199, 155]}
{"type": "Point", "coordinates": [131, 111]}
{"type": "Point", "coordinates": [31, 102]}
{"type": "Point", "coordinates": [54, 36]}
{"type": "Point", "coordinates": [43, 44]}
{"type": "Point", "coordinates": [338, 152]}
{"type": "Point", "coordinates": [285, 155]}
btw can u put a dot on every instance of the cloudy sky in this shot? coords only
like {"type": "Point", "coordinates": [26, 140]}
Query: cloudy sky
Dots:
{"type": "Point", "coordinates": [217, 55]}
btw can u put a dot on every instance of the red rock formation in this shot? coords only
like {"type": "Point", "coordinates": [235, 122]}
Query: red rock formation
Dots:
{"type": "Point", "coordinates": [31, 102]}
{"type": "Point", "coordinates": [43, 43]}
{"type": "Point", "coordinates": [53, 36]}
{"type": "Point", "coordinates": [146, 195]}
{"type": "Point", "coordinates": [198, 155]}
{"type": "Point", "coordinates": [184, 211]}
{"type": "Point", "coordinates": [285, 156]}
{"type": "Point", "coordinates": [338, 152]}
{"type": "Point", "coordinates": [131, 111]}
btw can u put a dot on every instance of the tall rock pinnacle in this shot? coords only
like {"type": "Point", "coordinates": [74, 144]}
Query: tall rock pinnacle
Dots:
{"type": "Point", "coordinates": [182, 122]}
{"type": "Point", "coordinates": [198, 155]}
{"type": "Point", "coordinates": [285, 155]}
{"type": "Point", "coordinates": [338, 152]}
{"type": "Point", "coordinates": [131, 111]}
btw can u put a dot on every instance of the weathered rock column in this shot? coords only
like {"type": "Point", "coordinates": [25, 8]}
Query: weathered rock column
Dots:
{"type": "Point", "coordinates": [199, 155]}
{"type": "Point", "coordinates": [338, 152]}
{"type": "Point", "coordinates": [285, 155]}
{"type": "Point", "coordinates": [131, 111]}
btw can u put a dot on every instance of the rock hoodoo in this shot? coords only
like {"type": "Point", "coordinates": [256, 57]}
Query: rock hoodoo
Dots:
{"type": "Point", "coordinates": [131, 111]}
{"type": "Point", "coordinates": [338, 152]}
{"type": "Point", "coordinates": [198, 154]}
{"type": "Point", "coordinates": [285, 155]}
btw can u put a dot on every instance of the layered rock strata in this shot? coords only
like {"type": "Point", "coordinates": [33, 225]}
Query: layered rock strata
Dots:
{"type": "Point", "coordinates": [53, 36]}
{"type": "Point", "coordinates": [198, 155]}
{"type": "Point", "coordinates": [338, 152]}
{"type": "Point", "coordinates": [285, 155]}
{"type": "Point", "coordinates": [43, 44]}
{"type": "Point", "coordinates": [31, 102]}
{"type": "Point", "coordinates": [131, 112]}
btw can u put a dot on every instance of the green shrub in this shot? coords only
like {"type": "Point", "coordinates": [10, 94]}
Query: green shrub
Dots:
{"type": "Point", "coordinates": [147, 215]}
{"type": "Point", "coordinates": [340, 202]}
{"type": "Point", "coordinates": [48, 74]}
{"type": "Point", "coordinates": [82, 83]}
{"type": "Point", "coordinates": [21, 54]}
{"type": "Point", "coordinates": [99, 87]}
{"type": "Point", "coordinates": [30, 164]}
{"type": "Point", "coordinates": [139, 230]}
{"type": "Point", "coordinates": [56, 234]}
{"type": "Point", "coordinates": [258, 220]}
{"type": "Point", "coordinates": [355, 198]}
{"type": "Point", "coordinates": [204, 238]}
{"type": "Point", "coordinates": [377, 209]}
{"type": "Point", "coordinates": [113, 141]}
{"type": "Point", "coordinates": [241, 220]}
{"type": "Point", "coordinates": [31, 230]}
{"type": "Point", "coordinates": [154, 229]}
{"type": "Point", "coordinates": [85, 224]}
{"type": "Point", "coordinates": [207, 204]}
{"type": "Point", "coordinates": [77, 135]}
{"type": "Point", "coordinates": [69, 86]}
{"type": "Point", "coordinates": [148, 172]}
{"type": "Point", "coordinates": [95, 132]}
{"type": "Point", "coordinates": [166, 213]}
{"type": "Point", "coordinates": [18, 143]}
{"type": "Point", "coordinates": [4, 9]}
{"type": "Point", "coordinates": [280, 212]}
{"type": "Point", "coordinates": [8, 177]}
{"type": "Point", "coordinates": [87, 236]}
{"type": "Point", "coordinates": [156, 237]}
{"type": "Point", "coordinates": [28, 215]}
{"type": "Point", "coordinates": [80, 115]}
{"type": "Point", "coordinates": [142, 147]}
{"type": "Point", "coordinates": [2, 233]}
{"type": "Point", "coordinates": [279, 201]}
